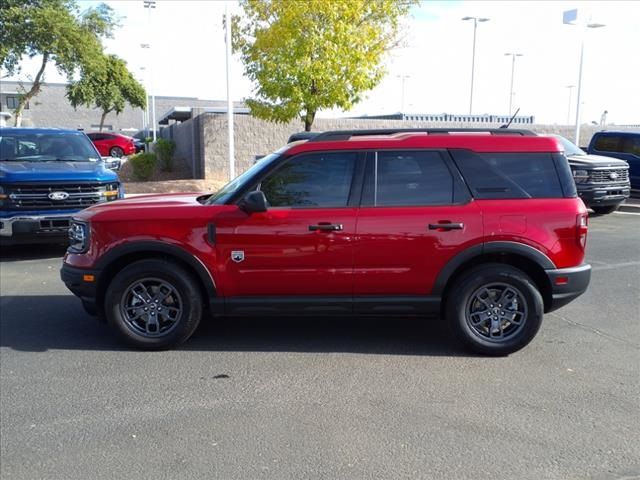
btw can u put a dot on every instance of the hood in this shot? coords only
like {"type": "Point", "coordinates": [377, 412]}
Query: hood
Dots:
{"type": "Point", "coordinates": [55, 172]}
{"type": "Point", "coordinates": [595, 161]}
{"type": "Point", "coordinates": [144, 207]}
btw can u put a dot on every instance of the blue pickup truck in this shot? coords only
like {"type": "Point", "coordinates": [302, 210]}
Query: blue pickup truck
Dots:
{"type": "Point", "coordinates": [46, 175]}
{"type": "Point", "coordinates": [624, 145]}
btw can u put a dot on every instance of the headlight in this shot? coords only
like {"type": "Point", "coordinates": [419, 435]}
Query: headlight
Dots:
{"type": "Point", "coordinates": [78, 237]}
{"type": "Point", "coordinates": [112, 191]}
{"type": "Point", "coordinates": [580, 176]}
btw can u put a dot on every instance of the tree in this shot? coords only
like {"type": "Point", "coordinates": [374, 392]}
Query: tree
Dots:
{"type": "Point", "coordinates": [54, 30]}
{"type": "Point", "coordinates": [107, 85]}
{"type": "Point", "coordinates": [308, 55]}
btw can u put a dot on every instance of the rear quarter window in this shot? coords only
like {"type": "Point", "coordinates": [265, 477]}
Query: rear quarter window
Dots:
{"type": "Point", "coordinates": [515, 175]}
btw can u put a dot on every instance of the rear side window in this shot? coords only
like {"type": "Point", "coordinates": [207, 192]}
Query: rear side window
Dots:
{"type": "Point", "coordinates": [631, 145]}
{"type": "Point", "coordinates": [510, 175]}
{"type": "Point", "coordinates": [608, 143]}
{"type": "Point", "coordinates": [407, 178]}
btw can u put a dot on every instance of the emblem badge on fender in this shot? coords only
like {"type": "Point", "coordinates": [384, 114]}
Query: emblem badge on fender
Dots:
{"type": "Point", "coordinates": [237, 256]}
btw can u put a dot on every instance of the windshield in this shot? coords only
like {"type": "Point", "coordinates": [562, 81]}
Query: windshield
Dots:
{"type": "Point", "coordinates": [569, 148]}
{"type": "Point", "coordinates": [222, 195]}
{"type": "Point", "coordinates": [46, 147]}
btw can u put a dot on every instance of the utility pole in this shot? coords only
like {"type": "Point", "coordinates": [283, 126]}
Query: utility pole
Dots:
{"type": "Point", "coordinates": [513, 69]}
{"type": "Point", "coordinates": [232, 163]}
{"type": "Point", "coordinates": [476, 20]}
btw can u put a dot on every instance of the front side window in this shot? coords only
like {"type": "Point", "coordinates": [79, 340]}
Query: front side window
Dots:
{"type": "Point", "coordinates": [408, 178]}
{"type": "Point", "coordinates": [311, 180]}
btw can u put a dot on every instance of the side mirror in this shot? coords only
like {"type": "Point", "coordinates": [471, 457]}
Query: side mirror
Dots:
{"type": "Point", "coordinates": [253, 202]}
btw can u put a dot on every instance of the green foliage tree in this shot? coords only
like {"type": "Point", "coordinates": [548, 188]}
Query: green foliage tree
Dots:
{"type": "Point", "coordinates": [308, 55]}
{"type": "Point", "coordinates": [54, 30]}
{"type": "Point", "coordinates": [107, 85]}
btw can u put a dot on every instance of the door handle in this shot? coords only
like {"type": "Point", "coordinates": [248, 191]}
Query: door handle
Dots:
{"type": "Point", "coordinates": [331, 227]}
{"type": "Point", "coordinates": [446, 226]}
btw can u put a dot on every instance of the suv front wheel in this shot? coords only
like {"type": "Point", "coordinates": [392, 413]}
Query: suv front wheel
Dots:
{"type": "Point", "coordinates": [495, 309]}
{"type": "Point", "coordinates": [154, 304]}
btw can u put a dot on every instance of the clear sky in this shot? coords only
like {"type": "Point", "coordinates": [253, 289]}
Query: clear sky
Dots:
{"type": "Point", "coordinates": [187, 57]}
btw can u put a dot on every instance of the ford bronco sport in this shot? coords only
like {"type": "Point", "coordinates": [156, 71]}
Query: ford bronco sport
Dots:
{"type": "Point", "coordinates": [482, 228]}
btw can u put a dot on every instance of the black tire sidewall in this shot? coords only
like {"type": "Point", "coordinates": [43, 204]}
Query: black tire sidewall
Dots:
{"type": "Point", "coordinates": [179, 278]}
{"type": "Point", "coordinates": [468, 283]}
{"type": "Point", "coordinates": [605, 210]}
{"type": "Point", "coordinates": [116, 149]}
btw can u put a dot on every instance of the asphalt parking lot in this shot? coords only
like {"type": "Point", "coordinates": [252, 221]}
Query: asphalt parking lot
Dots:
{"type": "Point", "coordinates": [340, 398]}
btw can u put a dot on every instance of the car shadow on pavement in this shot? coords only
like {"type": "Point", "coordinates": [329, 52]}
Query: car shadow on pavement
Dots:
{"type": "Point", "coordinates": [42, 323]}
{"type": "Point", "coordinates": [31, 252]}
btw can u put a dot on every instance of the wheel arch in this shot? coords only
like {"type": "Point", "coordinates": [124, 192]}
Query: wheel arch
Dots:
{"type": "Point", "coordinates": [116, 259]}
{"type": "Point", "coordinates": [524, 257]}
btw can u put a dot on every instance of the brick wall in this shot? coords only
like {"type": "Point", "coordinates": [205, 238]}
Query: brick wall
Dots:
{"type": "Point", "coordinates": [253, 137]}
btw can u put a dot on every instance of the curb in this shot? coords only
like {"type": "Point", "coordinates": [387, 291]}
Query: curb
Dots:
{"type": "Point", "coordinates": [629, 208]}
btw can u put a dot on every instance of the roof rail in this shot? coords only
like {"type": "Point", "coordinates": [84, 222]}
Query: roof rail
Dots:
{"type": "Point", "coordinates": [338, 135]}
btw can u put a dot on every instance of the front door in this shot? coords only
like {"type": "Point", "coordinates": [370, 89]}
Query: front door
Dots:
{"type": "Point", "coordinates": [414, 218]}
{"type": "Point", "coordinates": [301, 249]}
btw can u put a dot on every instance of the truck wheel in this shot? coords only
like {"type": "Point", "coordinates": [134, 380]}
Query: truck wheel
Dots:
{"type": "Point", "coordinates": [494, 309]}
{"type": "Point", "coordinates": [153, 304]}
{"type": "Point", "coordinates": [605, 210]}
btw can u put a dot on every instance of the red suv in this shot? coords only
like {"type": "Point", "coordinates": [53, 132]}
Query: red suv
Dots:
{"type": "Point", "coordinates": [112, 144]}
{"type": "Point", "coordinates": [483, 229]}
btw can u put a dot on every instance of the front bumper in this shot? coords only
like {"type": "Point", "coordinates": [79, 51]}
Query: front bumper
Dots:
{"type": "Point", "coordinates": [567, 284]}
{"type": "Point", "coordinates": [27, 228]}
{"type": "Point", "coordinates": [83, 283]}
{"type": "Point", "coordinates": [603, 195]}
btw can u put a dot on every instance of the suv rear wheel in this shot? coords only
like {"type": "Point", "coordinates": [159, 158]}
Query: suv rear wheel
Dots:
{"type": "Point", "coordinates": [154, 304]}
{"type": "Point", "coordinates": [495, 309]}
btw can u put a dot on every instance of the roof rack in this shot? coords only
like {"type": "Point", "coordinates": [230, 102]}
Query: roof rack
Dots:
{"type": "Point", "coordinates": [338, 135]}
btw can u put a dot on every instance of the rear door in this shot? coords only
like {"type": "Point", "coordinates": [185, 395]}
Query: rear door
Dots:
{"type": "Point", "coordinates": [100, 141]}
{"type": "Point", "coordinates": [416, 214]}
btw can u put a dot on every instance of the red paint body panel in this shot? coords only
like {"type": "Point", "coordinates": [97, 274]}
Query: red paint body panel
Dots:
{"type": "Point", "coordinates": [281, 255]}
{"type": "Point", "coordinates": [396, 252]}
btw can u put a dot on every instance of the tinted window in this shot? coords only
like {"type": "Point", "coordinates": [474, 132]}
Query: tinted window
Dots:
{"type": "Point", "coordinates": [608, 143]}
{"type": "Point", "coordinates": [408, 178]}
{"type": "Point", "coordinates": [314, 180]}
{"type": "Point", "coordinates": [631, 145]}
{"type": "Point", "coordinates": [509, 175]}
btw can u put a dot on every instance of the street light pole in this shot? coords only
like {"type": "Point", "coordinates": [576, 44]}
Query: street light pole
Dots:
{"type": "Point", "coordinates": [570, 17]}
{"type": "Point", "coordinates": [513, 69]}
{"type": "Point", "coordinates": [476, 20]}
{"type": "Point", "coordinates": [570, 88]}
{"type": "Point", "coordinates": [403, 78]}
{"type": "Point", "coordinates": [150, 5]}
{"type": "Point", "coordinates": [232, 163]}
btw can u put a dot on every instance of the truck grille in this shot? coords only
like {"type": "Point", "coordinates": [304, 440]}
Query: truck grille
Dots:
{"type": "Point", "coordinates": [619, 175]}
{"type": "Point", "coordinates": [54, 196]}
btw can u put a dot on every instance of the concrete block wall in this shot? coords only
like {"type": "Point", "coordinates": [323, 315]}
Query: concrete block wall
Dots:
{"type": "Point", "coordinates": [253, 137]}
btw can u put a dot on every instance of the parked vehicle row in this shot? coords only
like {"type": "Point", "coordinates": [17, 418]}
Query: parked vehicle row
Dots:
{"type": "Point", "coordinates": [485, 229]}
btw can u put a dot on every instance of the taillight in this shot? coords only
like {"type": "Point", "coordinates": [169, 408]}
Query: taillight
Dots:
{"type": "Point", "coordinates": [582, 226]}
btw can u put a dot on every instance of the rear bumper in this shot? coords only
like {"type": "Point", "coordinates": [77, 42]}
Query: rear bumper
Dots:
{"type": "Point", "coordinates": [567, 284]}
{"type": "Point", "coordinates": [603, 195]}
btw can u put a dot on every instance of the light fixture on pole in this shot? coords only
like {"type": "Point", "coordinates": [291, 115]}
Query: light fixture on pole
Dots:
{"type": "Point", "coordinates": [402, 78]}
{"type": "Point", "coordinates": [570, 17]}
{"type": "Point", "coordinates": [150, 5]}
{"type": "Point", "coordinates": [227, 25]}
{"type": "Point", "coordinates": [513, 69]}
{"type": "Point", "coordinates": [476, 20]}
{"type": "Point", "coordinates": [570, 88]}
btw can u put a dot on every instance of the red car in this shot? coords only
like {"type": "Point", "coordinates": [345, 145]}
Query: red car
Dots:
{"type": "Point", "coordinates": [483, 229]}
{"type": "Point", "coordinates": [113, 144]}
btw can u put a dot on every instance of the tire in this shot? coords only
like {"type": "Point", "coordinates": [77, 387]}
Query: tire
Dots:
{"type": "Point", "coordinates": [477, 292]}
{"type": "Point", "coordinates": [605, 210]}
{"type": "Point", "coordinates": [116, 152]}
{"type": "Point", "coordinates": [171, 296]}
